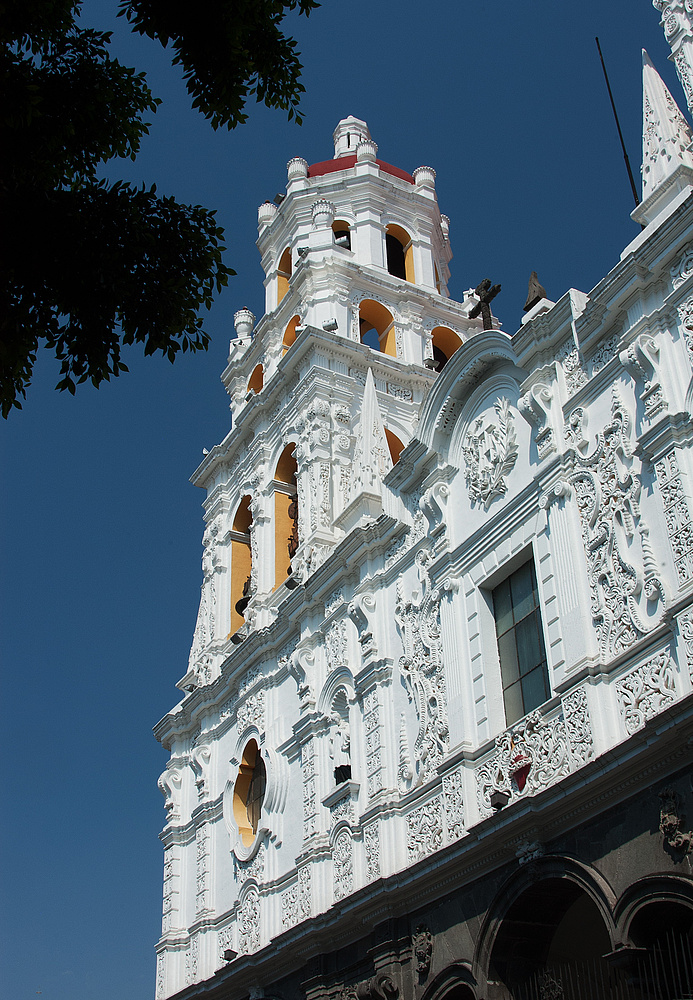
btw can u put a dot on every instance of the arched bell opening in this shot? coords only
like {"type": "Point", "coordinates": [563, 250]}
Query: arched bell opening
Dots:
{"type": "Point", "coordinates": [342, 234]}
{"type": "Point", "coordinates": [399, 253]}
{"type": "Point", "coordinates": [395, 446]}
{"type": "Point", "coordinates": [283, 274]}
{"type": "Point", "coordinates": [257, 379]}
{"type": "Point", "coordinates": [241, 563]}
{"type": "Point", "coordinates": [249, 793]}
{"type": "Point", "coordinates": [377, 327]}
{"type": "Point", "coordinates": [285, 514]}
{"type": "Point", "coordinates": [553, 931]}
{"type": "Point", "coordinates": [445, 343]}
{"type": "Point", "coordinates": [290, 332]}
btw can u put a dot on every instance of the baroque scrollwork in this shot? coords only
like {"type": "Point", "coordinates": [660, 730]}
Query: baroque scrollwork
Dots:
{"type": "Point", "coordinates": [418, 621]}
{"type": "Point", "coordinates": [425, 830]}
{"type": "Point", "coordinates": [628, 598]}
{"type": "Point", "coordinates": [490, 452]}
{"type": "Point", "coordinates": [454, 805]}
{"type": "Point", "coordinates": [528, 757]}
{"type": "Point", "coordinates": [342, 862]}
{"type": "Point", "coordinates": [646, 691]}
{"type": "Point", "coordinates": [249, 923]}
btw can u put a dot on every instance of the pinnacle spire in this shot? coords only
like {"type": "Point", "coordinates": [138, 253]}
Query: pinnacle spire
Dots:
{"type": "Point", "coordinates": [666, 138]}
{"type": "Point", "coordinates": [372, 456]}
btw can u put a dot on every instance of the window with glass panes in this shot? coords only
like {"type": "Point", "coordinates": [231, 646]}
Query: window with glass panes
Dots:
{"type": "Point", "coordinates": [520, 639]}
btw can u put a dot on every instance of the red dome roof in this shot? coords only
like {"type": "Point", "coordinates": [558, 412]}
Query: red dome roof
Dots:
{"type": "Point", "coordinates": [344, 162]}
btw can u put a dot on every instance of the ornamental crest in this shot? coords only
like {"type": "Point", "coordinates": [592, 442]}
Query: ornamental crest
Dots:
{"type": "Point", "coordinates": [490, 453]}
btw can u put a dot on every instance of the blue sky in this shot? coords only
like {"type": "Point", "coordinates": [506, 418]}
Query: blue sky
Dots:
{"type": "Point", "coordinates": [101, 530]}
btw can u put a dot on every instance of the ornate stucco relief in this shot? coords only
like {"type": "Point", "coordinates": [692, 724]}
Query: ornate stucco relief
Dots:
{"type": "Point", "coordinates": [676, 514]}
{"type": "Point", "coordinates": [418, 621]}
{"type": "Point", "coordinates": [425, 830]}
{"type": "Point", "coordinates": [628, 598]}
{"type": "Point", "coordinates": [537, 751]}
{"type": "Point", "coordinates": [342, 865]}
{"type": "Point", "coordinates": [249, 923]}
{"type": "Point", "coordinates": [646, 691]}
{"type": "Point", "coordinates": [490, 453]}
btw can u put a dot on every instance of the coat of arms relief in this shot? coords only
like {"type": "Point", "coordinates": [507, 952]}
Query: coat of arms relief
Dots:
{"type": "Point", "coordinates": [490, 453]}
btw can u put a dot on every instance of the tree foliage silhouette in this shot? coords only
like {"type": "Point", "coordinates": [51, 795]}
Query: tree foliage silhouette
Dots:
{"type": "Point", "coordinates": [90, 266]}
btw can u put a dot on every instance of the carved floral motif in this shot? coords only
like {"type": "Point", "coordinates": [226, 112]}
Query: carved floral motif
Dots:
{"type": "Point", "coordinates": [425, 830]}
{"type": "Point", "coordinates": [454, 805]}
{"type": "Point", "coordinates": [336, 644]}
{"type": "Point", "coordinates": [249, 923]}
{"type": "Point", "coordinates": [371, 725]}
{"type": "Point", "coordinates": [490, 453]}
{"type": "Point", "coordinates": [418, 621]}
{"type": "Point", "coordinates": [252, 712]}
{"type": "Point", "coordinates": [372, 842]}
{"type": "Point", "coordinates": [685, 623]}
{"type": "Point", "coordinates": [676, 514]}
{"type": "Point", "coordinates": [627, 593]}
{"type": "Point", "coordinates": [646, 691]}
{"type": "Point", "coordinates": [343, 871]}
{"type": "Point", "coordinates": [534, 750]}
{"type": "Point", "coordinates": [578, 728]}
{"type": "Point", "coordinates": [202, 872]}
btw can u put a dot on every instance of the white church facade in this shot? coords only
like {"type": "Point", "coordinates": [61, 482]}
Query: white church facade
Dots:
{"type": "Point", "coordinates": [436, 735]}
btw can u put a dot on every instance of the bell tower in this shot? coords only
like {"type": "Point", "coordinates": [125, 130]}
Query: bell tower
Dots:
{"type": "Point", "coordinates": [325, 392]}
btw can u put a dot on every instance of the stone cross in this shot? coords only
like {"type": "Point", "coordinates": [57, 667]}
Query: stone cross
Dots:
{"type": "Point", "coordinates": [485, 293]}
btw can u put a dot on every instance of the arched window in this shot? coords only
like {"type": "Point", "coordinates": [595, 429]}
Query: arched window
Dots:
{"type": "Point", "coordinates": [342, 235]}
{"type": "Point", "coordinates": [249, 793]}
{"type": "Point", "coordinates": [283, 274]}
{"type": "Point", "coordinates": [290, 332]}
{"type": "Point", "coordinates": [256, 380]}
{"type": "Point", "coordinates": [285, 515]}
{"type": "Point", "coordinates": [399, 252]}
{"type": "Point", "coordinates": [445, 343]}
{"type": "Point", "coordinates": [377, 327]}
{"type": "Point", "coordinates": [394, 444]}
{"type": "Point", "coordinates": [241, 563]}
{"type": "Point", "coordinates": [554, 924]}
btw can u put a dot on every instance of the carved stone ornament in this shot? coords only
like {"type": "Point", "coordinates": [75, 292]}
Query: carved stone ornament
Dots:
{"type": "Point", "coordinates": [422, 949]}
{"type": "Point", "coordinates": [249, 923]}
{"type": "Point", "coordinates": [646, 691]}
{"type": "Point", "coordinates": [342, 865]}
{"type": "Point", "coordinates": [418, 621]}
{"type": "Point", "coordinates": [425, 830]}
{"type": "Point", "coordinates": [685, 311]}
{"type": "Point", "coordinates": [536, 752]}
{"type": "Point", "coordinates": [628, 598]}
{"type": "Point", "coordinates": [672, 822]}
{"type": "Point", "coordinates": [535, 406]}
{"type": "Point", "coordinates": [490, 453]}
{"type": "Point", "coordinates": [676, 514]}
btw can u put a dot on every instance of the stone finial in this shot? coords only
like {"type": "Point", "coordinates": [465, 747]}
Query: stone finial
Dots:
{"type": "Point", "coordinates": [425, 177]}
{"type": "Point", "coordinates": [265, 213]}
{"type": "Point", "coordinates": [323, 213]}
{"type": "Point", "coordinates": [243, 321]}
{"type": "Point", "coordinates": [445, 226]}
{"type": "Point", "coordinates": [666, 136]}
{"type": "Point", "coordinates": [297, 168]}
{"type": "Point", "coordinates": [367, 151]}
{"type": "Point", "coordinates": [535, 292]}
{"type": "Point", "coordinates": [348, 134]}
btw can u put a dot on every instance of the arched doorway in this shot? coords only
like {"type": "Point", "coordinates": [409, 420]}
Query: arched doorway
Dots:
{"type": "Point", "coordinates": [553, 933]}
{"type": "Point", "coordinates": [285, 514]}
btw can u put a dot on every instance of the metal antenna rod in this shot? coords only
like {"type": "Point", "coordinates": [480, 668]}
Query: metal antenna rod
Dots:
{"type": "Point", "coordinates": [618, 126]}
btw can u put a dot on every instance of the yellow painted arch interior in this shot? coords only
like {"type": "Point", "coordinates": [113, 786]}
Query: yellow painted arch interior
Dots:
{"type": "Point", "coordinates": [379, 318]}
{"type": "Point", "coordinates": [240, 793]}
{"type": "Point", "coordinates": [446, 340]}
{"type": "Point", "coordinates": [283, 274]}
